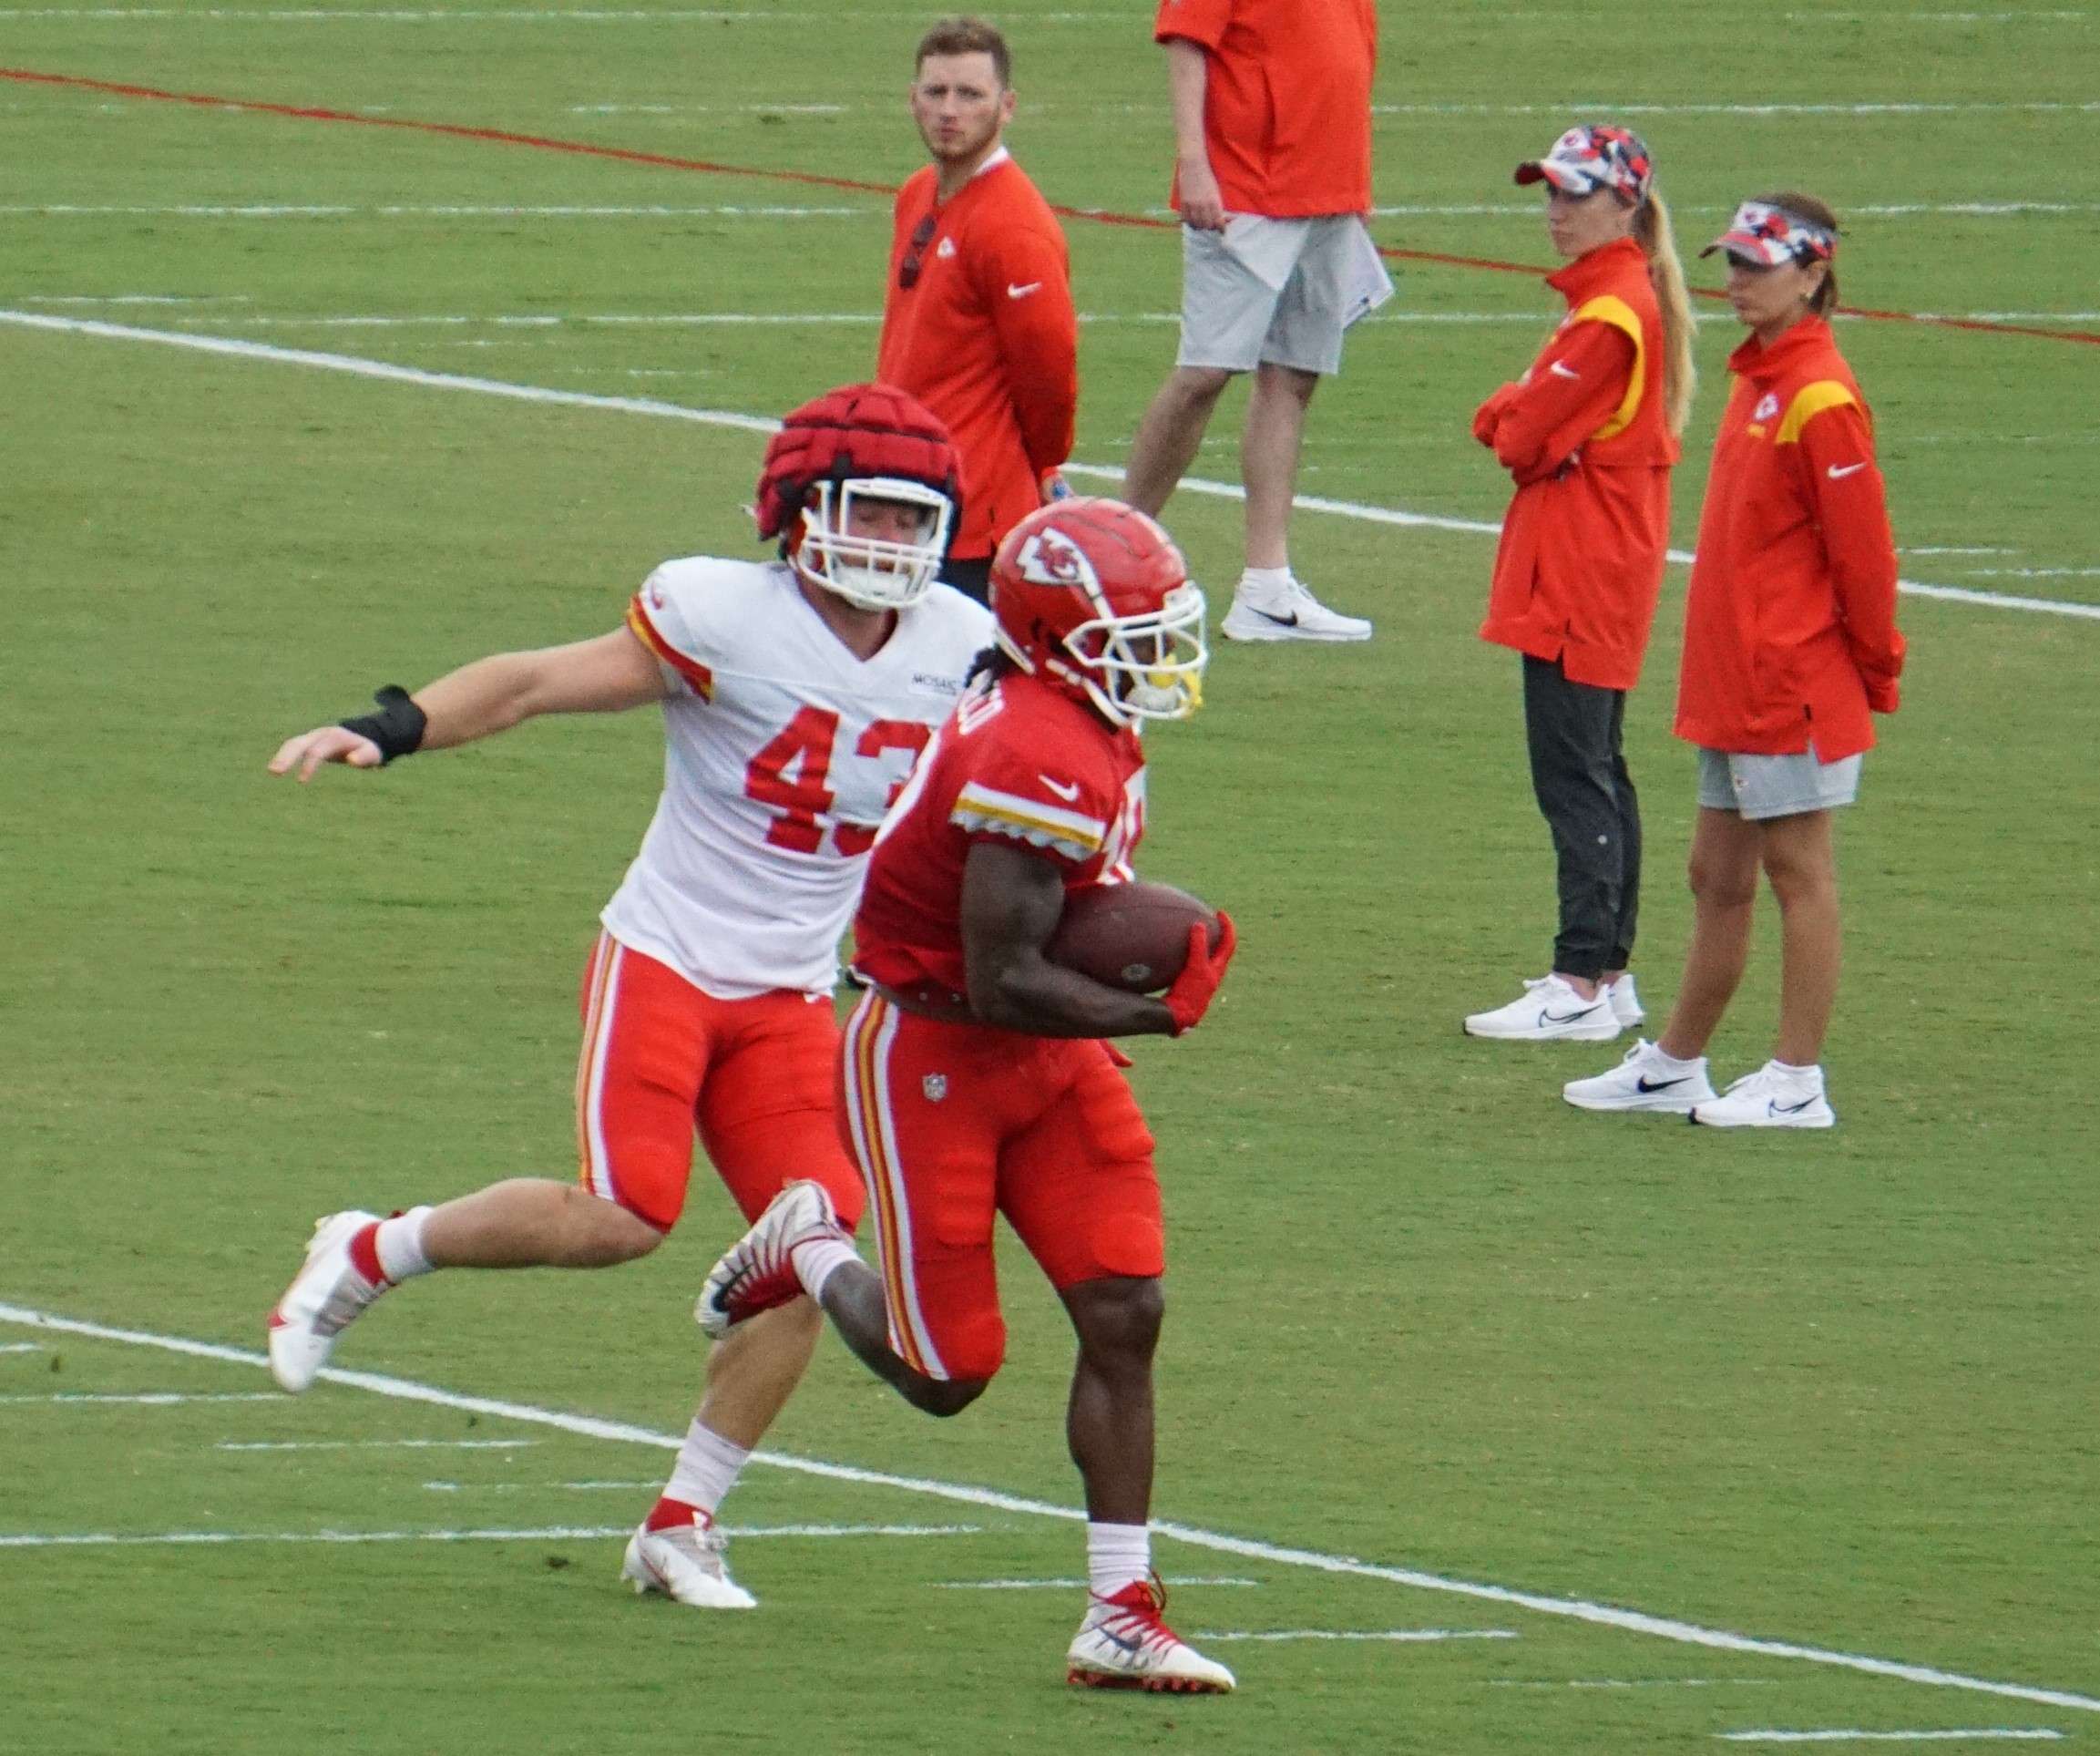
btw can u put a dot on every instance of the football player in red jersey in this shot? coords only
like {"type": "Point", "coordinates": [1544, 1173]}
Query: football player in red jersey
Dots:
{"type": "Point", "coordinates": [975, 1078]}
{"type": "Point", "coordinates": [796, 693]}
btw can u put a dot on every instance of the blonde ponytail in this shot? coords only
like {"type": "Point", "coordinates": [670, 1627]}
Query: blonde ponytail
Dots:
{"type": "Point", "coordinates": [1680, 376]}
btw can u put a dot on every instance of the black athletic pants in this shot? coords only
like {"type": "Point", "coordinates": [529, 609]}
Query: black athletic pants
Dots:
{"type": "Point", "coordinates": [971, 577]}
{"type": "Point", "coordinates": [1575, 731]}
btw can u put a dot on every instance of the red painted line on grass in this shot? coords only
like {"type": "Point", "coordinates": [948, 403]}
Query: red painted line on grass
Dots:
{"type": "Point", "coordinates": [669, 161]}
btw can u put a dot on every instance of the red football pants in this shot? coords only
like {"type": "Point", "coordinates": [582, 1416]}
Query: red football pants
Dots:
{"type": "Point", "coordinates": [952, 1123]}
{"type": "Point", "coordinates": [663, 1059]}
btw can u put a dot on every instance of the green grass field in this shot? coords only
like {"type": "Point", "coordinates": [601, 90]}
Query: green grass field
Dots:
{"type": "Point", "coordinates": [1433, 1335]}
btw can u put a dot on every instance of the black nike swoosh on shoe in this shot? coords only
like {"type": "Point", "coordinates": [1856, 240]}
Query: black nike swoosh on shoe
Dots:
{"type": "Point", "coordinates": [1791, 1109]}
{"type": "Point", "coordinates": [1565, 1018]}
{"type": "Point", "coordinates": [1290, 620]}
{"type": "Point", "coordinates": [1645, 1083]}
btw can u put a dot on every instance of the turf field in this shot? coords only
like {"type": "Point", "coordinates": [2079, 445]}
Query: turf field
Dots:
{"type": "Point", "coordinates": [1486, 1424]}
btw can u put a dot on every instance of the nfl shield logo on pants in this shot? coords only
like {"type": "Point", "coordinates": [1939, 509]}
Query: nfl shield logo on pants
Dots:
{"type": "Point", "coordinates": [936, 1086]}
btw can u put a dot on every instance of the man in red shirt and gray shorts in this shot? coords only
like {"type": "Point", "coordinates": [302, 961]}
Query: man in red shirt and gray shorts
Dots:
{"type": "Point", "coordinates": [1272, 104]}
{"type": "Point", "coordinates": [975, 1078]}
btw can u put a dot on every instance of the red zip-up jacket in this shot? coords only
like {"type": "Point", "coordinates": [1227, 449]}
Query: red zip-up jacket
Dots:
{"type": "Point", "coordinates": [987, 338]}
{"type": "Point", "coordinates": [1586, 434]}
{"type": "Point", "coordinates": [1790, 637]}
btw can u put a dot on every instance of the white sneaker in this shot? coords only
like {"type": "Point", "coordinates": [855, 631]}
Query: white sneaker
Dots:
{"type": "Point", "coordinates": [1772, 1097]}
{"type": "Point", "coordinates": [1626, 1005]}
{"type": "Point", "coordinates": [757, 1272]}
{"type": "Point", "coordinates": [1549, 1011]}
{"type": "Point", "coordinates": [1646, 1080]}
{"type": "Point", "coordinates": [1291, 613]}
{"type": "Point", "coordinates": [322, 1300]}
{"type": "Point", "coordinates": [684, 1562]}
{"type": "Point", "coordinates": [1124, 1644]}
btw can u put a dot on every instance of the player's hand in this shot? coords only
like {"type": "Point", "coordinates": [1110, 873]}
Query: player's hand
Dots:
{"type": "Point", "coordinates": [1190, 997]}
{"type": "Point", "coordinates": [1882, 694]}
{"type": "Point", "coordinates": [1202, 206]}
{"type": "Point", "coordinates": [308, 751]}
{"type": "Point", "coordinates": [1054, 486]}
{"type": "Point", "coordinates": [1488, 416]}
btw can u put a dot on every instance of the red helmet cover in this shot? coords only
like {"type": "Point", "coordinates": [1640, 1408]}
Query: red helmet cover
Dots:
{"type": "Point", "coordinates": [849, 434]}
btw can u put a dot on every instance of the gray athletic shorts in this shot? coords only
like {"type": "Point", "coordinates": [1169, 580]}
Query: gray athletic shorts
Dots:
{"type": "Point", "coordinates": [1757, 787]}
{"type": "Point", "coordinates": [1281, 290]}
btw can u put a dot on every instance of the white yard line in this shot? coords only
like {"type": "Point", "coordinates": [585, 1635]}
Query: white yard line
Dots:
{"type": "Point", "coordinates": [385, 371]}
{"type": "Point", "coordinates": [376, 1444]}
{"type": "Point", "coordinates": [2034, 1734]}
{"type": "Point", "coordinates": [147, 1399]}
{"type": "Point", "coordinates": [107, 1539]}
{"type": "Point", "coordinates": [625, 1432]}
{"type": "Point", "coordinates": [1636, 1682]}
{"type": "Point", "coordinates": [21, 1347]}
{"type": "Point", "coordinates": [1425, 1635]}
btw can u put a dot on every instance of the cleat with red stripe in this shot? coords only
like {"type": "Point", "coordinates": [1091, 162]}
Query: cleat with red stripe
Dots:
{"type": "Point", "coordinates": [758, 1271]}
{"type": "Point", "coordinates": [1124, 1644]}
{"type": "Point", "coordinates": [324, 1297]}
{"type": "Point", "coordinates": [684, 1563]}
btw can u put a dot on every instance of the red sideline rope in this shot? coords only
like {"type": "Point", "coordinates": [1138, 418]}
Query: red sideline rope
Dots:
{"type": "Point", "coordinates": [668, 161]}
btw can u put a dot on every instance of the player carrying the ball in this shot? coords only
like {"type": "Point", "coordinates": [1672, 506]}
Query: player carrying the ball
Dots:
{"type": "Point", "coordinates": [975, 1078]}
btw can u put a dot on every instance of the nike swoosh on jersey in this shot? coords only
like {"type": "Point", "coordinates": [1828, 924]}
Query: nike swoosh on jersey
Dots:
{"type": "Point", "coordinates": [1066, 790]}
{"type": "Point", "coordinates": [1013, 292]}
{"type": "Point", "coordinates": [1840, 471]}
{"type": "Point", "coordinates": [1560, 369]}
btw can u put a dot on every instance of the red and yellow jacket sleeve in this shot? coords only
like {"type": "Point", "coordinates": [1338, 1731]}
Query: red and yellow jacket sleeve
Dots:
{"type": "Point", "coordinates": [1852, 511]}
{"type": "Point", "coordinates": [1574, 389]}
{"type": "Point", "coordinates": [1026, 283]}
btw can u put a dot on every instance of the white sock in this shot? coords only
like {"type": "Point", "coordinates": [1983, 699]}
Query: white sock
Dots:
{"type": "Point", "coordinates": [1265, 581]}
{"type": "Point", "coordinates": [1812, 1074]}
{"type": "Point", "coordinates": [1117, 1556]}
{"type": "Point", "coordinates": [817, 1260]}
{"type": "Point", "coordinates": [398, 1244]}
{"type": "Point", "coordinates": [708, 1466]}
{"type": "Point", "coordinates": [1669, 1060]}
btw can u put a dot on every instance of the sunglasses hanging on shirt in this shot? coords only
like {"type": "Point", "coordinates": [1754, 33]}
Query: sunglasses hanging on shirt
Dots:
{"type": "Point", "coordinates": [915, 255]}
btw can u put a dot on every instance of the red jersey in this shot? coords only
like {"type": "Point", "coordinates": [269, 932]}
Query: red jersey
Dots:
{"type": "Point", "coordinates": [986, 337]}
{"type": "Point", "coordinates": [1019, 762]}
{"type": "Point", "coordinates": [1585, 433]}
{"type": "Point", "coordinates": [1790, 639]}
{"type": "Point", "coordinates": [1287, 100]}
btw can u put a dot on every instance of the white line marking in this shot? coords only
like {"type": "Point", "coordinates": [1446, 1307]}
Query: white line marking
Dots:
{"type": "Point", "coordinates": [297, 210]}
{"type": "Point", "coordinates": [1578, 106]}
{"type": "Point", "coordinates": [332, 15]}
{"type": "Point", "coordinates": [380, 369]}
{"type": "Point", "coordinates": [21, 1347]}
{"type": "Point", "coordinates": [1638, 1682]}
{"type": "Point", "coordinates": [150, 1398]}
{"type": "Point", "coordinates": [625, 1432]}
{"type": "Point", "coordinates": [1066, 1585]}
{"type": "Point", "coordinates": [2034, 1733]}
{"type": "Point", "coordinates": [1941, 550]}
{"type": "Point", "coordinates": [104, 1539]}
{"type": "Point", "coordinates": [654, 1483]}
{"type": "Point", "coordinates": [376, 1444]}
{"type": "Point", "coordinates": [1901, 17]}
{"type": "Point", "coordinates": [2034, 572]}
{"type": "Point", "coordinates": [1424, 1634]}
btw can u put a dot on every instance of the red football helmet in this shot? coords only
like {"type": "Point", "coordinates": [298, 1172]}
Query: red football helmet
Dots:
{"type": "Point", "coordinates": [852, 444]}
{"type": "Point", "coordinates": [1093, 596]}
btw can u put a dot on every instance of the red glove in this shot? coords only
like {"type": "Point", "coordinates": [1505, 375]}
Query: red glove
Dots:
{"type": "Point", "coordinates": [1488, 416]}
{"type": "Point", "coordinates": [1190, 997]}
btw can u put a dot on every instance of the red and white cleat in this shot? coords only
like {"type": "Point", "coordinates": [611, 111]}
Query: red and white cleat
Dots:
{"type": "Point", "coordinates": [758, 1270]}
{"type": "Point", "coordinates": [1124, 1644]}
{"type": "Point", "coordinates": [685, 1562]}
{"type": "Point", "coordinates": [324, 1297]}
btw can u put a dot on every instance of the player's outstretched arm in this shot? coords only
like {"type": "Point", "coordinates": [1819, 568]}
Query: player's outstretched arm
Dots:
{"type": "Point", "coordinates": [604, 676]}
{"type": "Point", "coordinates": [1012, 899]}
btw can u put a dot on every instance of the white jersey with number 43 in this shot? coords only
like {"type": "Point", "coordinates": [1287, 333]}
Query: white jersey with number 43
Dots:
{"type": "Point", "coordinates": [782, 751]}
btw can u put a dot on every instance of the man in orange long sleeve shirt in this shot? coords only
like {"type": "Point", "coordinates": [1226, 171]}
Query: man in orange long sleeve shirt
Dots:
{"type": "Point", "coordinates": [977, 322]}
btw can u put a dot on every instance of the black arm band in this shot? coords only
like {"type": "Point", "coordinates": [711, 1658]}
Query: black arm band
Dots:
{"type": "Point", "coordinates": [396, 728]}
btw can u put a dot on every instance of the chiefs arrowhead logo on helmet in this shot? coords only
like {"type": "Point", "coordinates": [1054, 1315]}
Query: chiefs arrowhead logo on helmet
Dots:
{"type": "Point", "coordinates": [834, 456]}
{"type": "Point", "coordinates": [1093, 597]}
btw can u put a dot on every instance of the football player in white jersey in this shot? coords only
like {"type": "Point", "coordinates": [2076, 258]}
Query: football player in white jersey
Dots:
{"type": "Point", "coordinates": [797, 694]}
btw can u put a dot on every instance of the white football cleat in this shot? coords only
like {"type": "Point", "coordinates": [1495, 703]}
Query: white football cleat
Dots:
{"type": "Point", "coordinates": [1646, 1080]}
{"type": "Point", "coordinates": [758, 1272]}
{"type": "Point", "coordinates": [684, 1562]}
{"type": "Point", "coordinates": [1772, 1097]}
{"type": "Point", "coordinates": [323, 1298]}
{"type": "Point", "coordinates": [1291, 613]}
{"type": "Point", "coordinates": [1626, 1005]}
{"type": "Point", "coordinates": [1124, 1644]}
{"type": "Point", "coordinates": [1549, 1011]}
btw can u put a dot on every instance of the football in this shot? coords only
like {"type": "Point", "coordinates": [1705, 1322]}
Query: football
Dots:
{"type": "Point", "coordinates": [1131, 936]}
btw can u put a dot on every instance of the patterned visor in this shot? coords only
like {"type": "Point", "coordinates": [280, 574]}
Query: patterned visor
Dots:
{"type": "Point", "coordinates": [1586, 159]}
{"type": "Point", "coordinates": [1766, 236]}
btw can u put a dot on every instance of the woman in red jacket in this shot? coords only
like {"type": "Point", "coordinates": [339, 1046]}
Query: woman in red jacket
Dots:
{"type": "Point", "coordinates": [1790, 647]}
{"type": "Point", "coordinates": [1589, 432]}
